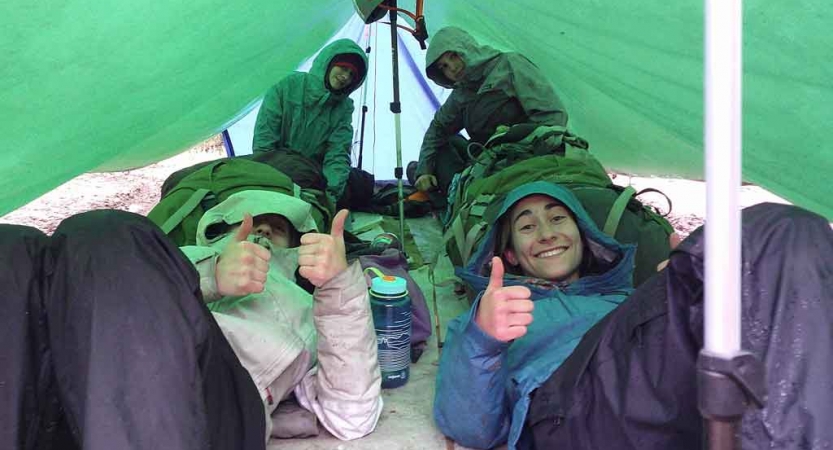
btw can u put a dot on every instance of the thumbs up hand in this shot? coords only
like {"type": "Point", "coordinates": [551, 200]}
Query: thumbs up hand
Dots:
{"type": "Point", "coordinates": [243, 265]}
{"type": "Point", "coordinates": [323, 256]}
{"type": "Point", "coordinates": [504, 312]}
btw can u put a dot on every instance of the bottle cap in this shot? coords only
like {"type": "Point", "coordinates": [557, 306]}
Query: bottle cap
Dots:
{"type": "Point", "coordinates": [389, 285]}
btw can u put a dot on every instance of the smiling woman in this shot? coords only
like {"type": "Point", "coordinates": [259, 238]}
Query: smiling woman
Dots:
{"type": "Point", "coordinates": [558, 351]}
{"type": "Point", "coordinates": [568, 276]}
{"type": "Point", "coordinates": [544, 239]}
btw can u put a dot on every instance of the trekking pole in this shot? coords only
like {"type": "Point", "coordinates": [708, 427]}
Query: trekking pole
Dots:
{"type": "Point", "coordinates": [396, 109]}
{"type": "Point", "coordinates": [364, 100]}
{"type": "Point", "coordinates": [728, 379]}
{"type": "Point", "coordinates": [437, 325]}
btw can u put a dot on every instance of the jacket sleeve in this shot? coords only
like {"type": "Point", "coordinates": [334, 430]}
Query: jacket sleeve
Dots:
{"type": "Point", "coordinates": [337, 158]}
{"type": "Point", "coordinates": [204, 260]}
{"type": "Point", "coordinates": [268, 126]}
{"type": "Point", "coordinates": [471, 405]}
{"type": "Point", "coordinates": [344, 390]}
{"type": "Point", "coordinates": [447, 121]}
{"type": "Point", "coordinates": [533, 90]}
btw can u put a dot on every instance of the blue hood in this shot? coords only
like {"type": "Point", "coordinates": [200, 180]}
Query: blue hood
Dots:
{"type": "Point", "coordinates": [619, 257]}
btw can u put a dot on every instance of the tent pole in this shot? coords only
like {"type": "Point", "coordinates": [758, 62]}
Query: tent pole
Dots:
{"type": "Point", "coordinates": [396, 109]}
{"type": "Point", "coordinates": [724, 372]}
{"type": "Point", "coordinates": [723, 176]}
{"type": "Point", "coordinates": [364, 101]}
{"type": "Point", "coordinates": [227, 144]}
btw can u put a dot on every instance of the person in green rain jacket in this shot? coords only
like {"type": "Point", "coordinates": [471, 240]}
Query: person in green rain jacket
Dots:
{"type": "Point", "coordinates": [491, 88]}
{"type": "Point", "coordinates": [311, 113]}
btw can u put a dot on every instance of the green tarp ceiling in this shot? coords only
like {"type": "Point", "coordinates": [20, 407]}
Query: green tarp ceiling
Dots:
{"type": "Point", "coordinates": [115, 84]}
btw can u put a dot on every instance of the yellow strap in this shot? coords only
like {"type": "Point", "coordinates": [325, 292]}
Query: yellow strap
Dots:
{"type": "Point", "coordinates": [375, 270]}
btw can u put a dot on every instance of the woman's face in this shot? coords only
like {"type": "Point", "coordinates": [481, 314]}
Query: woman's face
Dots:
{"type": "Point", "coordinates": [341, 77]}
{"type": "Point", "coordinates": [452, 66]}
{"type": "Point", "coordinates": [545, 239]}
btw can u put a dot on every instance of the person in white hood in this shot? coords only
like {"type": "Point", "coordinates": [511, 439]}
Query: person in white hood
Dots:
{"type": "Point", "coordinates": [113, 340]}
{"type": "Point", "coordinates": [321, 348]}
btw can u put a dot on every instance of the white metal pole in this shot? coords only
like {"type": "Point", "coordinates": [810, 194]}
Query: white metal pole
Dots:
{"type": "Point", "coordinates": [723, 176]}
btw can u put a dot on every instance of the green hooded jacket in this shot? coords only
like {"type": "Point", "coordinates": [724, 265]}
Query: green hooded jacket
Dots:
{"type": "Point", "coordinates": [300, 113]}
{"type": "Point", "coordinates": [498, 88]}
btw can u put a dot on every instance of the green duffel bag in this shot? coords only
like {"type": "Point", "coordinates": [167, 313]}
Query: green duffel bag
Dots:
{"type": "Point", "coordinates": [180, 210]}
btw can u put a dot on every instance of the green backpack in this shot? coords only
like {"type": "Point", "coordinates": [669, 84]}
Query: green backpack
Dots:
{"type": "Point", "coordinates": [478, 194]}
{"type": "Point", "coordinates": [180, 210]}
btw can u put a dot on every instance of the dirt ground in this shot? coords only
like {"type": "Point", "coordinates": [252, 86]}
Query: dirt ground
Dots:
{"type": "Point", "coordinates": [138, 191]}
{"type": "Point", "coordinates": [132, 190]}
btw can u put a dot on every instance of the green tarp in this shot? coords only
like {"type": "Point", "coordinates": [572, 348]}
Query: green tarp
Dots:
{"type": "Point", "coordinates": [113, 84]}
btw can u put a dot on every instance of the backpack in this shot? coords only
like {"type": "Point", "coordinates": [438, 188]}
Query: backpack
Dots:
{"type": "Point", "coordinates": [180, 209]}
{"type": "Point", "coordinates": [477, 195]}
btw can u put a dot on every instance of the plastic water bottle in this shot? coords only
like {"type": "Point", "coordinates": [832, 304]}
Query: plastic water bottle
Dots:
{"type": "Point", "coordinates": [391, 307]}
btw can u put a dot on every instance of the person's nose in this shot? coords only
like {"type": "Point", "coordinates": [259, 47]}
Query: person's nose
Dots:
{"type": "Point", "coordinates": [264, 230]}
{"type": "Point", "coordinates": [547, 233]}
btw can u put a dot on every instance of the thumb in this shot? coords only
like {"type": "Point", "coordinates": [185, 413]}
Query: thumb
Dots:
{"type": "Point", "coordinates": [337, 229]}
{"type": "Point", "coordinates": [496, 277]}
{"type": "Point", "coordinates": [245, 229]}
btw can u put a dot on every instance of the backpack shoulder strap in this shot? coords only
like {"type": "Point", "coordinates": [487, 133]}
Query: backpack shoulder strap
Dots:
{"type": "Point", "coordinates": [616, 211]}
{"type": "Point", "coordinates": [186, 208]}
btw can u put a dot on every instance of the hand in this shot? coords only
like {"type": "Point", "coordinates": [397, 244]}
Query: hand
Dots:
{"type": "Point", "coordinates": [426, 182]}
{"type": "Point", "coordinates": [674, 240]}
{"type": "Point", "coordinates": [322, 256]}
{"type": "Point", "coordinates": [504, 312]}
{"type": "Point", "coordinates": [243, 265]}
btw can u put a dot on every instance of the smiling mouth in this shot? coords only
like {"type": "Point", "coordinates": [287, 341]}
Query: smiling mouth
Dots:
{"type": "Point", "coordinates": [551, 253]}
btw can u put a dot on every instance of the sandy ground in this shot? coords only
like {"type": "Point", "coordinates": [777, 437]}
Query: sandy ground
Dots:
{"type": "Point", "coordinates": [132, 190]}
{"type": "Point", "coordinates": [138, 191]}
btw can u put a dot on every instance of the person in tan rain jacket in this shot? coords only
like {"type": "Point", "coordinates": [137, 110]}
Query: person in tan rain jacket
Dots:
{"type": "Point", "coordinates": [320, 347]}
{"type": "Point", "coordinates": [112, 339]}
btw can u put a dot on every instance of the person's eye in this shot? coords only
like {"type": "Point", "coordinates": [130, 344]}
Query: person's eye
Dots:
{"type": "Point", "coordinates": [557, 219]}
{"type": "Point", "coordinates": [526, 228]}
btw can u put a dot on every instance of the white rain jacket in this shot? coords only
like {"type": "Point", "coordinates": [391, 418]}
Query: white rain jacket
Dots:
{"type": "Point", "coordinates": [321, 347]}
